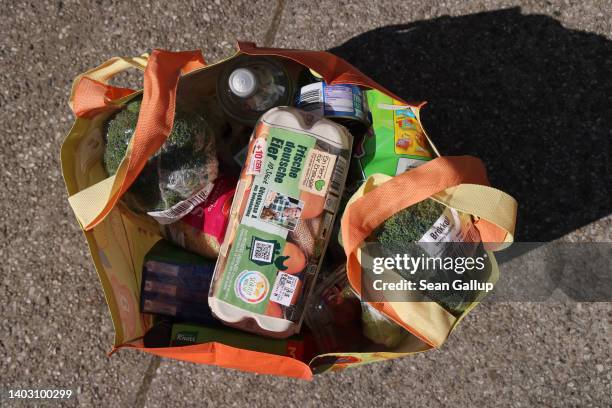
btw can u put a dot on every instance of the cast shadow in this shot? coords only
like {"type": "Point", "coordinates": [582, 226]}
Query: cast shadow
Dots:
{"type": "Point", "coordinates": [530, 97]}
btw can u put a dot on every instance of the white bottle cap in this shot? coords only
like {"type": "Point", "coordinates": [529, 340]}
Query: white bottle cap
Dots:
{"type": "Point", "coordinates": [242, 82]}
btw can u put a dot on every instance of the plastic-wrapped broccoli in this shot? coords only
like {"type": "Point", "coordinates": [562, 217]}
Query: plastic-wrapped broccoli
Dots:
{"type": "Point", "coordinates": [430, 229]}
{"type": "Point", "coordinates": [182, 171]}
{"type": "Point", "coordinates": [409, 225]}
{"type": "Point", "coordinates": [379, 328]}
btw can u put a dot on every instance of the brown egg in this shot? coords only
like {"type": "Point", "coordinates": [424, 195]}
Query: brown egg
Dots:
{"type": "Point", "coordinates": [274, 310]}
{"type": "Point", "coordinates": [313, 205]}
{"type": "Point", "coordinates": [295, 261]}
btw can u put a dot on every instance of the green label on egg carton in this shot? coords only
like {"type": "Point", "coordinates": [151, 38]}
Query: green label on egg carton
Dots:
{"type": "Point", "coordinates": [251, 269]}
{"type": "Point", "coordinates": [288, 169]}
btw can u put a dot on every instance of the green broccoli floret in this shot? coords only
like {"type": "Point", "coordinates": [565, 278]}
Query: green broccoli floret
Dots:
{"type": "Point", "coordinates": [454, 302]}
{"type": "Point", "coordinates": [144, 193]}
{"type": "Point", "coordinates": [184, 165]}
{"type": "Point", "coordinates": [119, 130]}
{"type": "Point", "coordinates": [186, 126]}
{"type": "Point", "coordinates": [408, 225]}
{"type": "Point", "coordinates": [134, 105]}
{"type": "Point", "coordinates": [398, 235]}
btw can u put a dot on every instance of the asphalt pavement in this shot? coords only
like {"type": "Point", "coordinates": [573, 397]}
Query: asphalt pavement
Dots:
{"type": "Point", "coordinates": [526, 85]}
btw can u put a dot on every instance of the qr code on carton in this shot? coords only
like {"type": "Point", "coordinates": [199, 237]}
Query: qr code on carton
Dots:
{"type": "Point", "coordinates": [262, 251]}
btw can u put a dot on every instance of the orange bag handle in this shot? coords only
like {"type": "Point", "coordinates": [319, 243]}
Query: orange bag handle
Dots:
{"type": "Point", "coordinates": [231, 357]}
{"type": "Point", "coordinates": [332, 68]}
{"type": "Point", "coordinates": [155, 119]}
{"type": "Point", "coordinates": [95, 95]}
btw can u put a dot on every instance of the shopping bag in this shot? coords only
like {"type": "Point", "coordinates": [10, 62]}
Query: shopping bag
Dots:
{"type": "Point", "coordinates": [119, 239]}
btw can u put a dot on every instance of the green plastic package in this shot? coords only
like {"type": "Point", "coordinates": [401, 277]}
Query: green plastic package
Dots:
{"type": "Point", "coordinates": [396, 142]}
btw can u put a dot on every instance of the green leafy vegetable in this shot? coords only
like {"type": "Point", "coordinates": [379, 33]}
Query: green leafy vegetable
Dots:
{"type": "Point", "coordinates": [408, 225]}
{"type": "Point", "coordinates": [184, 165]}
{"type": "Point", "coordinates": [398, 235]}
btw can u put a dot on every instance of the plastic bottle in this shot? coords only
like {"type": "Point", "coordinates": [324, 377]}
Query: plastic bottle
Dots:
{"type": "Point", "coordinates": [249, 86]}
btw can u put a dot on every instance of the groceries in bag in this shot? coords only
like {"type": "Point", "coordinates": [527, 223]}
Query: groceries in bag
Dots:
{"type": "Point", "coordinates": [344, 104]}
{"type": "Point", "coordinates": [249, 86]}
{"type": "Point", "coordinates": [202, 230]}
{"type": "Point", "coordinates": [352, 332]}
{"type": "Point", "coordinates": [340, 322]}
{"type": "Point", "coordinates": [185, 334]}
{"type": "Point", "coordinates": [396, 142]}
{"type": "Point", "coordinates": [176, 178]}
{"type": "Point", "coordinates": [280, 223]}
{"type": "Point", "coordinates": [175, 284]}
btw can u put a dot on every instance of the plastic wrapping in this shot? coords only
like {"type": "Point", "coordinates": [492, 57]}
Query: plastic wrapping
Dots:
{"type": "Point", "coordinates": [202, 230]}
{"type": "Point", "coordinates": [379, 328]}
{"type": "Point", "coordinates": [178, 176]}
{"type": "Point", "coordinates": [431, 229]}
{"type": "Point", "coordinates": [333, 315]}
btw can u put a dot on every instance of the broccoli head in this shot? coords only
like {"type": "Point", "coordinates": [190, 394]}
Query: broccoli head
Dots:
{"type": "Point", "coordinates": [184, 165]}
{"type": "Point", "coordinates": [408, 225]}
{"type": "Point", "coordinates": [119, 130]}
{"type": "Point", "coordinates": [398, 235]}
